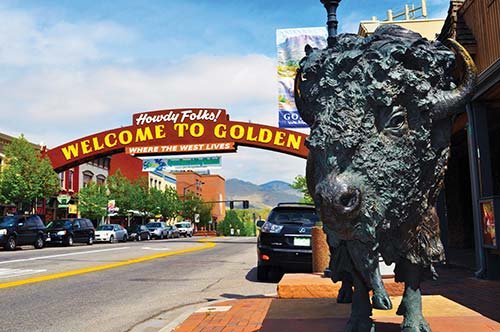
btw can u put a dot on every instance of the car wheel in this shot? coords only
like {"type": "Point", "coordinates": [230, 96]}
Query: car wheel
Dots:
{"type": "Point", "coordinates": [38, 243]}
{"type": "Point", "coordinates": [148, 237]}
{"type": "Point", "coordinates": [190, 235]}
{"type": "Point", "coordinates": [262, 273]}
{"type": "Point", "coordinates": [69, 241]}
{"type": "Point", "coordinates": [90, 240]}
{"type": "Point", "coordinates": [11, 243]}
{"type": "Point", "coordinates": [161, 236]}
{"type": "Point", "coordinates": [125, 239]}
{"type": "Point", "coordinates": [111, 239]}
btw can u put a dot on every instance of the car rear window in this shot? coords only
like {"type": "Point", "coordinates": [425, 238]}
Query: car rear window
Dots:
{"type": "Point", "coordinates": [153, 225]}
{"type": "Point", "coordinates": [293, 216]}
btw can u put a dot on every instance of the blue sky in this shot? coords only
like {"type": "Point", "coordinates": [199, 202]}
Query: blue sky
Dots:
{"type": "Point", "coordinates": [74, 68]}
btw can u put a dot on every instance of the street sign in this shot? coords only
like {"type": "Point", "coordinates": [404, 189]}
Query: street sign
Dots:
{"type": "Point", "coordinates": [161, 164]}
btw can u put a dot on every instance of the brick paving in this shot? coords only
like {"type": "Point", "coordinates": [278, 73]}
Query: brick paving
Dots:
{"type": "Point", "coordinates": [457, 287]}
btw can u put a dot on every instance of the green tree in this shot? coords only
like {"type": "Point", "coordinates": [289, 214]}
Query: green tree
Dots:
{"type": "Point", "coordinates": [28, 177]}
{"type": "Point", "coordinates": [141, 199]}
{"type": "Point", "coordinates": [170, 204]}
{"type": "Point", "coordinates": [231, 221]}
{"type": "Point", "coordinates": [300, 184]}
{"type": "Point", "coordinates": [192, 205]}
{"type": "Point", "coordinates": [93, 201]}
{"type": "Point", "coordinates": [119, 189]}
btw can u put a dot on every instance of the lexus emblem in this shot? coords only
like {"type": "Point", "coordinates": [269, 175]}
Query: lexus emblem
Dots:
{"type": "Point", "coordinates": [302, 230]}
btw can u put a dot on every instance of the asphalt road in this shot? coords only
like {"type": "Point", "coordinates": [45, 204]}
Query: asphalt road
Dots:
{"type": "Point", "coordinates": [114, 287]}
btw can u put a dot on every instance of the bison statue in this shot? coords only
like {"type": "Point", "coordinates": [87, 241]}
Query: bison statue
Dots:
{"type": "Point", "coordinates": [380, 110]}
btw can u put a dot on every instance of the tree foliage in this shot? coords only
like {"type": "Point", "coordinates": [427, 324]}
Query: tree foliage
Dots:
{"type": "Point", "coordinates": [300, 184]}
{"type": "Point", "coordinates": [27, 177]}
{"type": "Point", "coordinates": [231, 221]}
{"type": "Point", "coordinates": [93, 201]}
{"type": "Point", "coordinates": [192, 205]}
{"type": "Point", "coordinates": [137, 196]}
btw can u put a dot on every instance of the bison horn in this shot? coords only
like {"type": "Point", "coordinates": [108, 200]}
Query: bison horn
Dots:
{"type": "Point", "coordinates": [449, 101]}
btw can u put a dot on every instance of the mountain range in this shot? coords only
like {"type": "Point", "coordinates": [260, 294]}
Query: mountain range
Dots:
{"type": "Point", "coordinates": [262, 196]}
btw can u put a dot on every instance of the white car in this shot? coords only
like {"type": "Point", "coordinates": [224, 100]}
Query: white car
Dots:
{"type": "Point", "coordinates": [185, 228]}
{"type": "Point", "coordinates": [110, 233]}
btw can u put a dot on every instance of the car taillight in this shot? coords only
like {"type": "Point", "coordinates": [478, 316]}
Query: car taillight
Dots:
{"type": "Point", "coordinates": [271, 228]}
{"type": "Point", "coordinates": [264, 257]}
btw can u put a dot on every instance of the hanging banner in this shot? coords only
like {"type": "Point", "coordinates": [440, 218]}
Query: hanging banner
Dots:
{"type": "Point", "coordinates": [291, 44]}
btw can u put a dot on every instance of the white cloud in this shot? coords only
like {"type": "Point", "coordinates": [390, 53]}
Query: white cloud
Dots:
{"type": "Point", "coordinates": [26, 40]}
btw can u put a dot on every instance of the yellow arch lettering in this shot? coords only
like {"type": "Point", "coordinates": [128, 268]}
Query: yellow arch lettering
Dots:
{"type": "Point", "coordinates": [294, 141]}
{"type": "Point", "coordinates": [107, 140]}
{"type": "Point", "coordinates": [237, 132]}
{"type": "Point", "coordinates": [71, 151]}
{"type": "Point", "coordinates": [125, 137]}
{"type": "Point", "coordinates": [220, 131]}
{"type": "Point", "coordinates": [143, 134]}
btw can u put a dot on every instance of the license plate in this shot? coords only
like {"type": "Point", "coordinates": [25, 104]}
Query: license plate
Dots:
{"type": "Point", "coordinates": [301, 241]}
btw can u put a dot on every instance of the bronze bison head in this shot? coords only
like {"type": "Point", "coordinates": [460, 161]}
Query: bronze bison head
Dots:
{"type": "Point", "coordinates": [380, 111]}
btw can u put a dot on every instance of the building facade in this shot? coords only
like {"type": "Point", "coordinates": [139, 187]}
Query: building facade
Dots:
{"type": "Point", "coordinates": [472, 188]}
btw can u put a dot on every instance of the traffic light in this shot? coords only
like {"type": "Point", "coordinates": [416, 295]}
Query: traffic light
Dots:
{"type": "Point", "coordinates": [245, 204]}
{"type": "Point", "coordinates": [231, 205]}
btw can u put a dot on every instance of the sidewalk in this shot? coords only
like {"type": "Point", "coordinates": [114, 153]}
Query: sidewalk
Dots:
{"type": "Point", "coordinates": [456, 302]}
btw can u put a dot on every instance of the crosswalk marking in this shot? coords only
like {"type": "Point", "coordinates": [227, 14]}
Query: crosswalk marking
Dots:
{"type": "Point", "coordinates": [7, 273]}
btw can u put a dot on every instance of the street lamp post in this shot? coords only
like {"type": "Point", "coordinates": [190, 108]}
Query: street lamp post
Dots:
{"type": "Point", "coordinates": [331, 8]}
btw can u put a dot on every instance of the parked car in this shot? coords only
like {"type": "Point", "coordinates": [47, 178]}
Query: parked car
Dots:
{"type": "Point", "coordinates": [284, 240]}
{"type": "Point", "coordinates": [20, 230]}
{"type": "Point", "coordinates": [185, 228]}
{"type": "Point", "coordinates": [173, 232]}
{"type": "Point", "coordinates": [158, 229]}
{"type": "Point", "coordinates": [138, 233]}
{"type": "Point", "coordinates": [69, 231]}
{"type": "Point", "coordinates": [110, 233]}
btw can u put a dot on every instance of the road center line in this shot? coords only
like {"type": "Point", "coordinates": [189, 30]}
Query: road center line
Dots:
{"type": "Point", "coordinates": [62, 255]}
{"type": "Point", "coordinates": [207, 245]}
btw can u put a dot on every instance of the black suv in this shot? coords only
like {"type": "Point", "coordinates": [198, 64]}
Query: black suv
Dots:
{"type": "Point", "coordinates": [20, 230]}
{"type": "Point", "coordinates": [69, 231]}
{"type": "Point", "coordinates": [284, 240]}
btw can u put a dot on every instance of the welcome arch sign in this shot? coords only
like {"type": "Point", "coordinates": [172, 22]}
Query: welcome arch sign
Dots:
{"type": "Point", "coordinates": [178, 131]}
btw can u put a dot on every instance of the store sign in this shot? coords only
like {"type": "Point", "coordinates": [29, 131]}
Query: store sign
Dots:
{"type": "Point", "coordinates": [179, 131]}
{"type": "Point", "coordinates": [63, 200]}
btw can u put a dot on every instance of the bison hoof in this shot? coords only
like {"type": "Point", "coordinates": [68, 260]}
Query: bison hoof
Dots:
{"type": "Point", "coordinates": [419, 325]}
{"type": "Point", "coordinates": [360, 325]}
{"type": "Point", "coordinates": [345, 295]}
{"type": "Point", "coordinates": [381, 301]}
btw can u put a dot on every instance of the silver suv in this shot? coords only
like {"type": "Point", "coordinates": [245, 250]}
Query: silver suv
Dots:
{"type": "Point", "coordinates": [158, 229]}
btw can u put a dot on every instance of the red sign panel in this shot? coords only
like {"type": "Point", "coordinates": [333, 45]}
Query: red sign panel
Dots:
{"type": "Point", "coordinates": [179, 131]}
